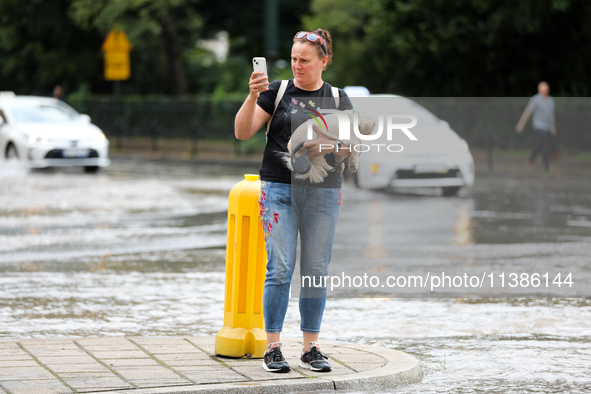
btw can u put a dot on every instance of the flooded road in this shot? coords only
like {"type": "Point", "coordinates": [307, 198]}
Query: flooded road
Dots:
{"type": "Point", "coordinates": [139, 249]}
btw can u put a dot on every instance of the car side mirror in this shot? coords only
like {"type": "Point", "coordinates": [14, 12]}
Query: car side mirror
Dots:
{"type": "Point", "coordinates": [445, 123]}
{"type": "Point", "coordinates": [85, 118]}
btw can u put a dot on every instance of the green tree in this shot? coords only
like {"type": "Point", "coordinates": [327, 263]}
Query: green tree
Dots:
{"type": "Point", "coordinates": [245, 23]}
{"type": "Point", "coordinates": [154, 26]}
{"type": "Point", "coordinates": [460, 47]}
{"type": "Point", "coordinates": [173, 27]}
{"type": "Point", "coordinates": [41, 47]}
{"type": "Point", "coordinates": [43, 43]}
{"type": "Point", "coordinates": [346, 21]}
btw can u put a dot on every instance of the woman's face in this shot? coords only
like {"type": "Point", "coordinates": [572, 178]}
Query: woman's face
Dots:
{"type": "Point", "coordinates": [305, 64]}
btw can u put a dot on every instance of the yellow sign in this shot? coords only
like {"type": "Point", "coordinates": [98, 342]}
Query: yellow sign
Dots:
{"type": "Point", "coordinates": [116, 48]}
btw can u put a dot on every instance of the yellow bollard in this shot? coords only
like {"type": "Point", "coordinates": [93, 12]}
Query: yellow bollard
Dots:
{"type": "Point", "coordinates": [246, 257]}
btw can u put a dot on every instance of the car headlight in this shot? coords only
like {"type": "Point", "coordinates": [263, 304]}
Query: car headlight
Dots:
{"type": "Point", "coordinates": [33, 139]}
{"type": "Point", "coordinates": [99, 138]}
{"type": "Point", "coordinates": [463, 146]}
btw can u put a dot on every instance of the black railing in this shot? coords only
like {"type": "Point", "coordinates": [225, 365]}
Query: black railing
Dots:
{"type": "Point", "coordinates": [485, 123]}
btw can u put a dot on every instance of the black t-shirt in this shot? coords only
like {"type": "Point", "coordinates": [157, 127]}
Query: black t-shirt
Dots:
{"type": "Point", "coordinates": [290, 110]}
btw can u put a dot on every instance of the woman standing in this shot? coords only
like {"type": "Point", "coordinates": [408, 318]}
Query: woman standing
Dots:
{"type": "Point", "coordinates": [289, 205]}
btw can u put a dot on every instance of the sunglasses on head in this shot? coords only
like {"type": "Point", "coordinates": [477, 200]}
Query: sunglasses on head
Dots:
{"type": "Point", "coordinates": [309, 36]}
{"type": "Point", "coordinates": [312, 37]}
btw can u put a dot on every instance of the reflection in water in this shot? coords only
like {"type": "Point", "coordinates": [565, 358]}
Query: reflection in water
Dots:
{"type": "Point", "coordinates": [463, 227]}
{"type": "Point", "coordinates": [423, 236]}
{"type": "Point", "coordinates": [541, 200]}
{"type": "Point", "coordinates": [375, 234]}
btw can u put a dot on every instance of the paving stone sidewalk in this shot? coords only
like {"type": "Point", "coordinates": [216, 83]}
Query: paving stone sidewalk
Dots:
{"type": "Point", "coordinates": [159, 365]}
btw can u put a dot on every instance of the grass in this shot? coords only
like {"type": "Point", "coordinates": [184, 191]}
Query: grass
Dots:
{"type": "Point", "coordinates": [443, 364]}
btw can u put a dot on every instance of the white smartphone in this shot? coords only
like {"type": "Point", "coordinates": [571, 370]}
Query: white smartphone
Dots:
{"type": "Point", "coordinates": [259, 64]}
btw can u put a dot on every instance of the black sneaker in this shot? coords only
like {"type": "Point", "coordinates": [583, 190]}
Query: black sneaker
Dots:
{"type": "Point", "coordinates": [273, 361]}
{"type": "Point", "coordinates": [314, 360]}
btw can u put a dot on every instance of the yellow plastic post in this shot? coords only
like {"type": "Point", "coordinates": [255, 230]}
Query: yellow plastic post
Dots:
{"type": "Point", "coordinates": [246, 257]}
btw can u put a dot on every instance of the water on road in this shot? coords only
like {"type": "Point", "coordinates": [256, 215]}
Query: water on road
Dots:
{"type": "Point", "coordinates": [139, 249]}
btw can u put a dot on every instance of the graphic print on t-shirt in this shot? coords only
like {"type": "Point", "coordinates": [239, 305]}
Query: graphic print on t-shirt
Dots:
{"type": "Point", "coordinates": [291, 110]}
{"type": "Point", "coordinates": [299, 113]}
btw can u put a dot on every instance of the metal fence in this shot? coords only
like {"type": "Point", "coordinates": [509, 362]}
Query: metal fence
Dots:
{"type": "Point", "coordinates": [490, 121]}
{"type": "Point", "coordinates": [187, 119]}
{"type": "Point", "coordinates": [485, 122]}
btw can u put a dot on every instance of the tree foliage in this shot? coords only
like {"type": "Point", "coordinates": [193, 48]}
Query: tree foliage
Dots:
{"type": "Point", "coordinates": [460, 47]}
{"type": "Point", "coordinates": [41, 47]}
{"type": "Point", "coordinates": [245, 22]}
{"type": "Point", "coordinates": [155, 27]}
{"type": "Point", "coordinates": [410, 47]}
{"type": "Point", "coordinates": [46, 42]}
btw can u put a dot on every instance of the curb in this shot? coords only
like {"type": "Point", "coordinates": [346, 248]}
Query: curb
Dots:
{"type": "Point", "coordinates": [186, 364]}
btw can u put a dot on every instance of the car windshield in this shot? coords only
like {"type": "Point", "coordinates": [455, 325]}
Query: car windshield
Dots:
{"type": "Point", "coordinates": [42, 113]}
{"type": "Point", "coordinates": [399, 110]}
{"type": "Point", "coordinates": [424, 117]}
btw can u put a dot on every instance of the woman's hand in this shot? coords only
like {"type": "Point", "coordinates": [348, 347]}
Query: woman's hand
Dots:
{"type": "Point", "coordinates": [250, 117]}
{"type": "Point", "coordinates": [258, 83]}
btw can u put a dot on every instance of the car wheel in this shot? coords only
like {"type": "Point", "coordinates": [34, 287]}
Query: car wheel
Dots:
{"type": "Point", "coordinates": [451, 191]}
{"type": "Point", "coordinates": [11, 153]}
{"type": "Point", "coordinates": [91, 169]}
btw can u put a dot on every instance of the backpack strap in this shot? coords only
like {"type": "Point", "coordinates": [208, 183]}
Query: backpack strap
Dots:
{"type": "Point", "coordinates": [335, 93]}
{"type": "Point", "coordinates": [280, 94]}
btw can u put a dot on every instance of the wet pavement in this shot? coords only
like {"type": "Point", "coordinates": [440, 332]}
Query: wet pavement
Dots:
{"type": "Point", "coordinates": [512, 232]}
{"type": "Point", "coordinates": [182, 365]}
{"type": "Point", "coordinates": [139, 250]}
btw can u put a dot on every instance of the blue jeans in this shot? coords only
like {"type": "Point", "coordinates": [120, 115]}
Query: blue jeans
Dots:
{"type": "Point", "coordinates": [285, 210]}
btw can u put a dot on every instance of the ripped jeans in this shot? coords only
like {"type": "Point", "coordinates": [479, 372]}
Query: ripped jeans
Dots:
{"type": "Point", "coordinates": [285, 210]}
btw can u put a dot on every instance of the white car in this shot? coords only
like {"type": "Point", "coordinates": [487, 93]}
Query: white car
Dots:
{"type": "Point", "coordinates": [46, 132]}
{"type": "Point", "coordinates": [438, 158]}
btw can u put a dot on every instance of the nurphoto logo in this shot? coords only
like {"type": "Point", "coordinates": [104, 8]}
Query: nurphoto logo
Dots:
{"type": "Point", "coordinates": [392, 122]}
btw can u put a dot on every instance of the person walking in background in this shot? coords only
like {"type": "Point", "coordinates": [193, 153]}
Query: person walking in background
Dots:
{"type": "Point", "coordinates": [542, 107]}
